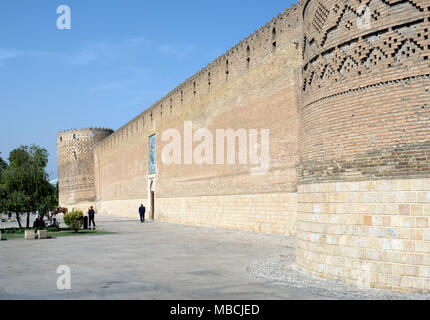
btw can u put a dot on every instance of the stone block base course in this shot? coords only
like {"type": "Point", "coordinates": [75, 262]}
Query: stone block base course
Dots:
{"type": "Point", "coordinates": [370, 233]}
{"type": "Point", "coordinates": [266, 213]}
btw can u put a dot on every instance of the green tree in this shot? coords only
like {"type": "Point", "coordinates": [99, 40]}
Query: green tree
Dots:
{"type": "Point", "coordinates": [25, 182]}
{"type": "Point", "coordinates": [57, 193]}
{"type": "Point", "coordinates": [48, 201]}
{"type": "Point", "coordinates": [9, 200]}
{"type": "Point", "coordinates": [3, 166]}
{"type": "Point", "coordinates": [17, 201]}
{"type": "Point", "coordinates": [3, 195]}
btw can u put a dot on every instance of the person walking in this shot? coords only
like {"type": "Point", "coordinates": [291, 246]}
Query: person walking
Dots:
{"type": "Point", "coordinates": [91, 214]}
{"type": "Point", "coordinates": [142, 213]}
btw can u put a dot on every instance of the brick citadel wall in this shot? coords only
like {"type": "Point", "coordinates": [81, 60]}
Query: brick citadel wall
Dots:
{"type": "Point", "coordinates": [346, 104]}
{"type": "Point", "coordinates": [253, 86]}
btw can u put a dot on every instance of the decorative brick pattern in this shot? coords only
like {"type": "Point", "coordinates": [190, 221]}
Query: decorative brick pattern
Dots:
{"type": "Point", "coordinates": [365, 94]}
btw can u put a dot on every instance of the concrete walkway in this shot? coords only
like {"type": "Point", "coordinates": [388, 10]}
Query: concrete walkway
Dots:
{"type": "Point", "coordinates": [149, 261]}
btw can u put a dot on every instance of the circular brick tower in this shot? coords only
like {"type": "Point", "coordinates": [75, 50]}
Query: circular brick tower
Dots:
{"type": "Point", "coordinates": [364, 186]}
{"type": "Point", "coordinates": [76, 176]}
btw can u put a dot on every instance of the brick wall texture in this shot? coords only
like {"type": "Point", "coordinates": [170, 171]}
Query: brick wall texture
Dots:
{"type": "Point", "coordinates": [346, 100]}
{"type": "Point", "coordinates": [365, 144]}
{"type": "Point", "coordinates": [76, 176]}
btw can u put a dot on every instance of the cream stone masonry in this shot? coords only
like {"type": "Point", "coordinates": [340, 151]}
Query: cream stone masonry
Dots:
{"type": "Point", "coordinates": [370, 233]}
{"type": "Point", "coordinates": [269, 213]}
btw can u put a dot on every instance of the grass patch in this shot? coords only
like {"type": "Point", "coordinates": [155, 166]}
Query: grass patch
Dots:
{"type": "Point", "coordinates": [11, 236]}
{"type": "Point", "coordinates": [80, 233]}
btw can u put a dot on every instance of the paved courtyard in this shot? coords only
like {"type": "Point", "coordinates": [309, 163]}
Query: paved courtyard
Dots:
{"type": "Point", "coordinates": [163, 261]}
{"type": "Point", "coordinates": [149, 261]}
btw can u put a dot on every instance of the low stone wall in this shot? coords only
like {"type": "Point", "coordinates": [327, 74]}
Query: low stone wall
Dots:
{"type": "Point", "coordinates": [370, 233]}
{"type": "Point", "coordinates": [267, 213]}
{"type": "Point", "coordinates": [122, 208]}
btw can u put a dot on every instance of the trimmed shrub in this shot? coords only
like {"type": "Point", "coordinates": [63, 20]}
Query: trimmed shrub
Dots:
{"type": "Point", "coordinates": [12, 230]}
{"type": "Point", "coordinates": [53, 228]}
{"type": "Point", "coordinates": [74, 219]}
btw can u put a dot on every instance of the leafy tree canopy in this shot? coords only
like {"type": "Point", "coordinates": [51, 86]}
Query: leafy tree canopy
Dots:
{"type": "Point", "coordinates": [24, 185]}
{"type": "Point", "coordinates": [3, 167]}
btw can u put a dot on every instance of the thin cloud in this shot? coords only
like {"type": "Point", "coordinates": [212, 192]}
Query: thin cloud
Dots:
{"type": "Point", "coordinates": [112, 85]}
{"type": "Point", "coordinates": [83, 57]}
{"type": "Point", "coordinates": [6, 54]}
{"type": "Point", "coordinates": [179, 52]}
{"type": "Point", "coordinates": [139, 70]}
{"type": "Point", "coordinates": [107, 51]}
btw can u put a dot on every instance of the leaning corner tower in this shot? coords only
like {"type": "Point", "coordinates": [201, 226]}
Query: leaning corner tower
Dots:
{"type": "Point", "coordinates": [76, 176]}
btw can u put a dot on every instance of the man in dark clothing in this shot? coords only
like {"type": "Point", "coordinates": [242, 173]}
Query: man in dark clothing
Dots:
{"type": "Point", "coordinates": [91, 214]}
{"type": "Point", "coordinates": [42, 223]}
{"type": "Point", "coordinates": [39, 223]}
{"type": "Point", "coordinates": [142, 213]}
{"type": "Point", "coordinates": [36, 223]}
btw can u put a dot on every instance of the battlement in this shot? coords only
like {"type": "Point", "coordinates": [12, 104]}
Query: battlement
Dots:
{"type": "Point", "coordinates": [82, 134]}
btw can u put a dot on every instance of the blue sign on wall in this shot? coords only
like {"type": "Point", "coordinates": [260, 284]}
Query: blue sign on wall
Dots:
{"type": "Point", "coordinates": [152, 153]}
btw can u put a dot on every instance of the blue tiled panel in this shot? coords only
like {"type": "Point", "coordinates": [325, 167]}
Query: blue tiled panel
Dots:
{"type": "Point", "coordinates": [152, 150]}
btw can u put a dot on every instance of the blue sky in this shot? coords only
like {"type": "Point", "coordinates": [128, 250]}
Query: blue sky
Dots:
{"type": "Point", "coordinates": [119, 58]}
